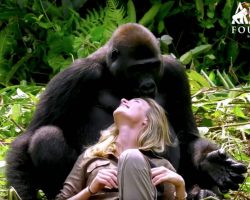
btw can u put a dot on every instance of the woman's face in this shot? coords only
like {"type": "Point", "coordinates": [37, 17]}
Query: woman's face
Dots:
{"type": "Point", "coordinates": [132, 111]}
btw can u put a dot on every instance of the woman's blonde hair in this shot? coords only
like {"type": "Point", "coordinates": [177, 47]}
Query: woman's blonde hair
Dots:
{"type": "Point", "coordinates": [154, 137]}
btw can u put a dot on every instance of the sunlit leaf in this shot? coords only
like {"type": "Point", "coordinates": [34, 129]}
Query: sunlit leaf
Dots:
{"type": "Point", "coordinates": [238, 112]}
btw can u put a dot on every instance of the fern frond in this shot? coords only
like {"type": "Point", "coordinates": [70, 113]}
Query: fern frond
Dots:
{"type": "Point", "coordinates": [98, 26]}
{"type": "Point", "coordinates": [7, 44]}
{"type": "Point", "coordinates": [6, 41]}
{"type": "Point", "coordinates": [115, 16]}
{"type": "Point", "coordinates": [115, 11]}
{"type": "Point", "coordinates": [113, 4]}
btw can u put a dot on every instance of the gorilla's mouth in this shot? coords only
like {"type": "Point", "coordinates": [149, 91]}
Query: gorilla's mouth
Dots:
{"type": "Point", "coordinates": [148, 93]}
{"type": "Point", "coordinates": [147, 89]}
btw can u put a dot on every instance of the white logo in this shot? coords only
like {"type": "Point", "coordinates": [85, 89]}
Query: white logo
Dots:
{"type": "Point", "coordinates": [242, 14]}
{"type": "Point", "coordinates": [241, 19]}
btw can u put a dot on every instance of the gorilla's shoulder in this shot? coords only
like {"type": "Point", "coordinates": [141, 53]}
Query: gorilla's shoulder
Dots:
{"type": "Point", "coordinates": [172, 65]}
{"type": "Point", "coordinates": [81, 69]}
{"type": "Point", "coordinates": [87, 65]}
{"type": "Point", "coordinates": [171, 60]}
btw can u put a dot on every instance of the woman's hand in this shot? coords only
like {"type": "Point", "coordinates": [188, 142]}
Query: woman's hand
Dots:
{"type": "Point", "coordinates": [163, 174]}
{"type": "Point", "coordinates": [104, 178]}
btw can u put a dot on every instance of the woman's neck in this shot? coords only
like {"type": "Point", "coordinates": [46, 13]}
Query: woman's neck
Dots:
{"type": "Point", "coordinates": [126, 139]}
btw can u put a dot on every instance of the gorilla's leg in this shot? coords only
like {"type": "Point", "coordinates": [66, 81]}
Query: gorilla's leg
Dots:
{"type": "Point", "coordinates": [52, 157]}
{"type": "Point", "coordinates": [20, 169]}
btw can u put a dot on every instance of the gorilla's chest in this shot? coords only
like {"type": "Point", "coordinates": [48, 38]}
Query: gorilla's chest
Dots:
{"type": "Point", "coordinates": [107, 101]}
{"type": "Point", "coordinates": [101, 112]}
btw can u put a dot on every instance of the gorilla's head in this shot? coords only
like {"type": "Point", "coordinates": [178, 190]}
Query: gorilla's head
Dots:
{"type": "Point", "coordinates": [134, 59]}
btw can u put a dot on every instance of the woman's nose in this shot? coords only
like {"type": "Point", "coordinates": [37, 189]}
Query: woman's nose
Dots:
{"type": "Point", "coordinates": [123, 100]}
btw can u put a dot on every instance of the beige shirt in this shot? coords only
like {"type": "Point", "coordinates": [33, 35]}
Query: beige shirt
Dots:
{"type": "Point", "coordinates": [85, 170]}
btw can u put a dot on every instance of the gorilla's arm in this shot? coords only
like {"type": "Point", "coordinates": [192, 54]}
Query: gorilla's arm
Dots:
{"type": "Point", "coordinates": [176, 93]}
{"type": "Point", "coordinates": [68, 96]}
{"type": "Point", "coordinates": [201, 161]}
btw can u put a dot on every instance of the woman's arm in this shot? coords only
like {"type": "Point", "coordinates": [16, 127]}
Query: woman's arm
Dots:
{"type": "Point", "coordinates": [83, 195]}
{"type": "Point", "coordinates": [104, 177]}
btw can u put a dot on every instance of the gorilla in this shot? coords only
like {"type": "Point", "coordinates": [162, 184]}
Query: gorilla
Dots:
{"type": "Point", "coordinates": [79, 102]}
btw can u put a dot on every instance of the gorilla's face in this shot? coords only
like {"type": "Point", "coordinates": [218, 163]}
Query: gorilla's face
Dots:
{"type": "Point", "coordinates": [135, 61]}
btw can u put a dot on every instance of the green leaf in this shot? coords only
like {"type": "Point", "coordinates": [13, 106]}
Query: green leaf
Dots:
{"type": "Point", "coordinates": [195, 76]}
{"type": "Point", "coordinates": [224, 82]}
{"type": "Point", "coordinates": [57, 62]}
{"type": "Point", "coordinates": [97, 33]}
{"type": "Point", "coordinates": [7, 13]}
{"type": "Point", "coordinates": [238, 112]}
{"type": "Point", "coordinates": [131, 11]}
{"type": "Point", "coordinates": [166, 39]}
{"type": "Point", "coordinates": [150, 15]}
{"type": "Point", "coordinates": [207, 78]}
{"type": "Point", "coordinates": [16, 112]}
{"type": "Point", "coordinates": [212, 76]}
{"type": "Point", "coordinates": [45, 25]}
{"type": "Point", "coordinates": [227, 11]}
{"type": "Point", "coordinates": [186, 58]}
{"type": "Point", "coordinates": [211, 56]}
{"type": "Point", "coordinates": [161, 26]}
{"type": "Point", "coordinates": [210, 14]}
{"type": "Point", "coordinates": [227, 78]}
{"type": "Point", "coordinates": [232, 50]}
{"type": "Point", "coordinates": [201, 49]}
{"type": "Point", "coordinates": [200, 9]}
{"type": "Point", "coordinates": [165, 10]}
{"type": "Point", "coordinates": [207, 122]}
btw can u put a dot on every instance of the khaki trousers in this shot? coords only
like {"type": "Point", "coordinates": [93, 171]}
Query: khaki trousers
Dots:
{"type": "Point", "coordinates": [134, 177]}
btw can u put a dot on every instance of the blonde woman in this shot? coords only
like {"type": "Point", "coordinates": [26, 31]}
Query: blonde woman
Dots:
{"type": "Point", "coordinates": [122, 165]}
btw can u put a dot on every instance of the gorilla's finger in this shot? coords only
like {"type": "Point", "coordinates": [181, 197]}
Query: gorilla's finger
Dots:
{"type": "Point", "coordinates": [214, 156]}
{"type": "Point", "coordinates": [231, 185]}
{"type": "Point", "coordinates": [206, 193]}
{"type": "Point", "coordinates": [227, 184]}
{"type": "Point", "coordinates": [223, 189]}
{"type": "Point", "coordinates": [230, 161]}
{"type": "Point", "coordinates": [239, 168]}
{"type": "Point", "coordinates": [237, 178]}
{"type": "Point", "coordinates": [220, 182]}
{"type": "Point", "coordinates": [222, 154]}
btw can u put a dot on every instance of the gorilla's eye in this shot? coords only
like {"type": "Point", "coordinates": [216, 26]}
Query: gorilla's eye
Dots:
{"type": "Point", "coordinates": [114, 54]}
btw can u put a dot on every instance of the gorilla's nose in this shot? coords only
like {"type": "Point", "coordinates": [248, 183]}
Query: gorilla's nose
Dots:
{"type": "Point", "coordinates": [148, 88]}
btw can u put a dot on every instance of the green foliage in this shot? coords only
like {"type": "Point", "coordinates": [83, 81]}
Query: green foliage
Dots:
{"type": "Point", "coordinates": [211, 43]}
{"type": "Point", "coordinates": [97, 27]}
{"type": "Point", "coordinates": [40, 38]}
{"type": "Point", "coordinates": [223, 116]}
{"type": "Point", "coordinates": [214, 19]}
{"type": "Point", "coordinates": [131, 11]}
{"type": "Point", "coordinates": [17, 106]}
{"type": "Point", "coordinates": [49, 38]}
{"type": "Point", "coordinates": [150, 15]}
{"type": "Point", "coordinates": [193, 53]}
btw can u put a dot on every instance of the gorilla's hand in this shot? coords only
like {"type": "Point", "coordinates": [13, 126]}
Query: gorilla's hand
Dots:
{"type": "Point", "coordinates": [196, 193]}
{"type": "Point", "coordinates": [226, 172]}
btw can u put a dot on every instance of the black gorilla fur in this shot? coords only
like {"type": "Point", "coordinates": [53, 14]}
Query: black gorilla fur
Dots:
{"type": "Point", "coordinates": [79, 102]}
